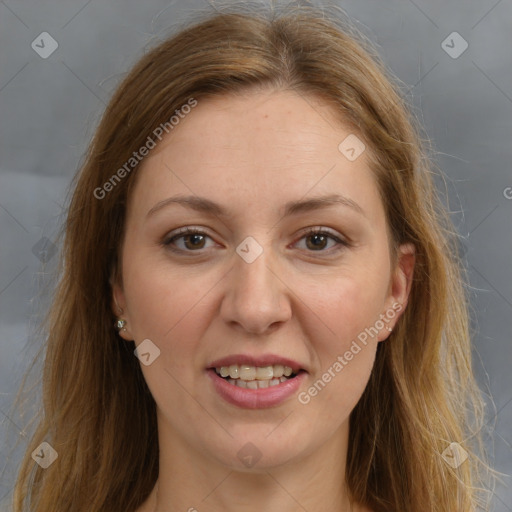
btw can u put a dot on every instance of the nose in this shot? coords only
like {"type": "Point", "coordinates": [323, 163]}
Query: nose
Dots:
{"type": "Point", "coordinates": [257, 299]}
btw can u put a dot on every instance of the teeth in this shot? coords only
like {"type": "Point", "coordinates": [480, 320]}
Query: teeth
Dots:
{"type": "Point", "coordinates": [265, 373]}
{"type": "Point", "coordinates": [249, 373]}
{"type": "Point", "coordinates": [256, 384]}
{"type": "Point", "coordinates": [278, 370]}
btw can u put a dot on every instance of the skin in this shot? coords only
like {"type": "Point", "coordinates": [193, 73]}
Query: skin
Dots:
{"type": "Point", "coordinates": [252, 153]}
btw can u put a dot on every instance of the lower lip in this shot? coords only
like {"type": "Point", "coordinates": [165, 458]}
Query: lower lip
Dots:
{"type": "Point", "coordinates": [256, 398]}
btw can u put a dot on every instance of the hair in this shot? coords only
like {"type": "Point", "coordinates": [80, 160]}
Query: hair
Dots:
{"type": "Point", "coordinates": [421, 395]}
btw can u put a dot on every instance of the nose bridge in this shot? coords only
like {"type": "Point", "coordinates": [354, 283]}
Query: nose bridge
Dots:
{"type": "Point", "coordinates": [253, 268]}
{"type": "Point", "coordinates": [256, 297]}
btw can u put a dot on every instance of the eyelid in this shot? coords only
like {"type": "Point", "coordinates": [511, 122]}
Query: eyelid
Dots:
{"type": "Point", "coordinates": [328, 231]}
{"type": "Point", "coordinates": [185, 230]}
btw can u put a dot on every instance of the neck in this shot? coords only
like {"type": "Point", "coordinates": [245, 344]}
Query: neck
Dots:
{"type": "Point", "coordinates": [190, 481]}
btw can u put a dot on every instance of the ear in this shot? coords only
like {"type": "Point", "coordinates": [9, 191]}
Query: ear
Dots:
{"type": "Point", "coordinates": [400, 283]}
{"type": "Point", "coordinates": [119, 307]}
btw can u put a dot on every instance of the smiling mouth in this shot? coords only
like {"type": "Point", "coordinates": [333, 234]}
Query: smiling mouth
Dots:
{"type": "Point", "coordinates": [255, 377]}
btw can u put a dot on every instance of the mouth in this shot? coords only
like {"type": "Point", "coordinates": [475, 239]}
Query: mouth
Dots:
{"type": "Point", "coordinates": [256, 377]}
{"type": "Point", "coordinates": [256, 382]}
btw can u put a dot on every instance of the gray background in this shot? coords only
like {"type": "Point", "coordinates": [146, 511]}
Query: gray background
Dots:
{"type": "Point", "coordinates": [49, 108]}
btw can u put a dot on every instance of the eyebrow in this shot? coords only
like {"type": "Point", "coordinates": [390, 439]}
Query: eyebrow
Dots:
{"type": "Point", "coordinates": [204, 205]}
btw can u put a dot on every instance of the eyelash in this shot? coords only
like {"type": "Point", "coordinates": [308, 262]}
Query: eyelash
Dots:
{"type": "Point", "coordinates": [342, 244]}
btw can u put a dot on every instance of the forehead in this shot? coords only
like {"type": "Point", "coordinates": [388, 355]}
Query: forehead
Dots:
{"type": "Point", "coordinates": [259, 148]}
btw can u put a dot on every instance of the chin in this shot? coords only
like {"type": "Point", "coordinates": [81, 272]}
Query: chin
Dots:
{"type": "Point", "coordinates": [258, 450]}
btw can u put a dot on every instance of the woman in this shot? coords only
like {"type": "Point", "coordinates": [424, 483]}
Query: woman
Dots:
{"type": "Point", "coordinates": [257, 219]}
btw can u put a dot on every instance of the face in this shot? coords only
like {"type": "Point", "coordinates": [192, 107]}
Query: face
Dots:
{"type": "Point", "coordinates": [271, 277]}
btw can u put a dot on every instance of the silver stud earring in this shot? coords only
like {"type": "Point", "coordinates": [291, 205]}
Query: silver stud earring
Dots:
{"type": "Point", "coordinates": [120, 324]}
{"type": "Point", "coordinates": [388, 329]}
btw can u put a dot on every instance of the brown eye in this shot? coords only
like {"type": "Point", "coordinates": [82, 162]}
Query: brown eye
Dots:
{"type": "Point", "coordinates": [317, 241]}
{"type": "Point", "coordinates": [194, 241]}
{"type": "Point", "coordinates": [323, 241]}
{"type": "Point", "coordinates": [187, 240]}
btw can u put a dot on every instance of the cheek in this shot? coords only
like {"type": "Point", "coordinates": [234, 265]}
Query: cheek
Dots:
{"type": "Point", "coordinates": [344, 359]}
{"type": "Point", "coordinates": [166, 307]}
{"type": "Point", "coordinates": [347, 305]}
{"type": "Point", "coordinates": [347, 309]}
{"type": "Point", "coordinates": [160, 299]}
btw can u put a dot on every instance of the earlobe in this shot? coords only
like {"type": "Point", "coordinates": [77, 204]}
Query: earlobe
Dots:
{"type": "Point", "coordinates": [118, 303]}
{"type": "Point", "coordinates": [121, 326]}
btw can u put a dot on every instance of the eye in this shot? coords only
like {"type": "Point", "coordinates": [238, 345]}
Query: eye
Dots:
{"type": "Point", "coordinates": [194, 240]}
{"type": "Point", "coordinates": [317, 239]}
{"type": "Point", "coordinates": [191, 239]}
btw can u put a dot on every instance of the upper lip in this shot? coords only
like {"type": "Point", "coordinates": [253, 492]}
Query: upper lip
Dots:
{"type": "Point", "coordinates": [251, 360]}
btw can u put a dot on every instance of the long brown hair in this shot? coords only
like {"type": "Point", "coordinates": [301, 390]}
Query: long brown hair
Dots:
{"type": "Point", "coordinates": [421, 396]}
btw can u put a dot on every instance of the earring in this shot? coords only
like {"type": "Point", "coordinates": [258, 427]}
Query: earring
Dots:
{"type": "Point", "coordinates": [388, 329]}
{"type": "Point", "coordinates": [120, 324]}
